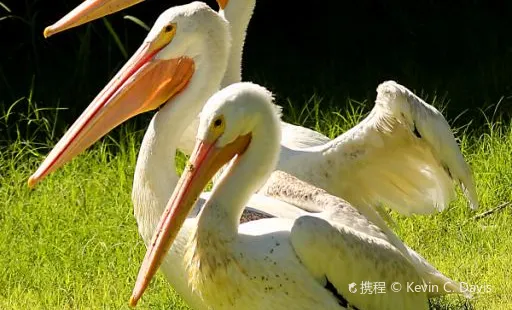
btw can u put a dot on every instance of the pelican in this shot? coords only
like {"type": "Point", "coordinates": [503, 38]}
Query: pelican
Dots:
{"type": "Point", "coordinates": [302, 263]}
{"type": "Point", "coordinates": [403, 155]}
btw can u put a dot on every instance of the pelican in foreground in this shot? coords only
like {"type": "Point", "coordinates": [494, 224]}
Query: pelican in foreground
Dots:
{"type": "Point", "coordinates": [403, 155]}
{"type": "Point", "coordinates": [302, 263]}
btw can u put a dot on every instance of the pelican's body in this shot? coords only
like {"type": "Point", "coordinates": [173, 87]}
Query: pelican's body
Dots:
{"type": "Point", "coordinates": [270, 263]}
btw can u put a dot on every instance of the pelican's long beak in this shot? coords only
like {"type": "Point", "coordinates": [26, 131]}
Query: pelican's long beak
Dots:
{"type": "Point", "coordinates": [143, 84]}
{"type": "Point", "coordinates": [205, 161]}
{"type": "Point", "coordinates": [87, 11]}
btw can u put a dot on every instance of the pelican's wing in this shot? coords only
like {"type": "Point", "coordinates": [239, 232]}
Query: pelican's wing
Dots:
{"type": "Point", "coordinates": [403, 154]}
{"type": "Point", "coordinates": [363, 220]}
{"type": "Point", "coordinates": [356, 266]}
{"type": "Point", "coordinates": [296, 137]}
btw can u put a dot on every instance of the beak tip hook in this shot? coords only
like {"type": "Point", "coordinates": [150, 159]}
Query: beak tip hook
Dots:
{"type": "Point", "coordinates": [31, 182]}
{"type": "Point", "coordinates": [133, 301]}
{"type": "Point", "coordinates": [47, 32]}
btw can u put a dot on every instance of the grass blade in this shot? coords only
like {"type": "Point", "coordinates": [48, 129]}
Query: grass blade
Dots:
{"type": "Point", "coordinates": [137, 21]}
{"type": "Point", "coordinates": [5, 7]}
{"type": "Point", "coordinates": [114, 35]}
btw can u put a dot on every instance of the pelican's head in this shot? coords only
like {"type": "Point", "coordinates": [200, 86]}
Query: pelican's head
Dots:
{"type": "Point", "coordinates": [235, 111]}
{"type": "Point", "coordinates": [159, 70]}
{"type": "Point", "coordinates": [230, 123]}
{"type": "Point", "coordinates": [192, 25]}
{"type": "Point", "coordinates": [90, 10]}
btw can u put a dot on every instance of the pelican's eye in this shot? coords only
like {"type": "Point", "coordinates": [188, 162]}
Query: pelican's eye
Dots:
{"type": "Point", "coordinates": [218, 125]}
{"type": "Point", "coordinates": [169, 28]}
{"type": "Point", "coordinates": [165, 36]}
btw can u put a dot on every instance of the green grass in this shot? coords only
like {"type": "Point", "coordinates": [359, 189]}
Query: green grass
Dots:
{"type": "Point", "coordinates": [72, 243]}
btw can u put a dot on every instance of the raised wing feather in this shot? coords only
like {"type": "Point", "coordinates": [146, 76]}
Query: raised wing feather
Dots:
{"type": "Point", "coordinates": [403, 154]}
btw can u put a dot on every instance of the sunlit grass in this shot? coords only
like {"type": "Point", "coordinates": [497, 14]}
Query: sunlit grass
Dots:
{"type": "Point", "coordinates": [72, 243]}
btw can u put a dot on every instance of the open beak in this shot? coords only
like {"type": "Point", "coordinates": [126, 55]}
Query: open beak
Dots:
{"type": "Point", "coordinates": [143, 84]}
{"type": "Point", "coordinates": [87, 11]}
{"type": "Point", "coordinates": [205, 161]}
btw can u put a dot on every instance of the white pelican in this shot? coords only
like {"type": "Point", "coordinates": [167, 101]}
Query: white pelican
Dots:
{"type": "Point", "coordinates": [303, 263]}
{"type": "Point", "coordinates": [403, 155]}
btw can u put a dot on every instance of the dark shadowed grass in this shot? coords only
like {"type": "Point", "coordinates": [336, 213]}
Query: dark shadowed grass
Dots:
{"type": "Point", "coordinates": [330, 56]}
{"type": "Point", "coordinates": [72, 243]}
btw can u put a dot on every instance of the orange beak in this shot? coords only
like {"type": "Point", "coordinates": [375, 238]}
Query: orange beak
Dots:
{"type": "Point", "coordinates": [205, 161]}
{"type": "Point", "coordinates": [143, 84]}
{"type": "Point", "coordinates": [87, 11]}
{"type": "Point", "coordinates": [222, 4]}
{"type": "Point", "coordinates": [90, 10]}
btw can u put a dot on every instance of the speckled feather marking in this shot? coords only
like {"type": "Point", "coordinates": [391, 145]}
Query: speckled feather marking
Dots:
{"type": "Point", "coordinates": [242, 273]}
{"type": "Point", "coordinates": [253, 215]}
{"type": "Point", "coordinates": [288, 188]}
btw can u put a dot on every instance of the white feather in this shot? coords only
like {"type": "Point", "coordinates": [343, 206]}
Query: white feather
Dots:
{"type": "Point", "coordinates": [402, 155]}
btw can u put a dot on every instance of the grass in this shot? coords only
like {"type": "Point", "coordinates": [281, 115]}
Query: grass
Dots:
{"type": "Point", "coordinates": [72, 243]}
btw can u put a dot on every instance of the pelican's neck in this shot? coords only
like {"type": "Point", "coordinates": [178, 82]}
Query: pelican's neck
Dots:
{"type": "Point", "coordinates": [155, 173]}
{"type": "Point", "coordinates": [238, 13]}
{"type": "Point", "coordinates": [221, 214]}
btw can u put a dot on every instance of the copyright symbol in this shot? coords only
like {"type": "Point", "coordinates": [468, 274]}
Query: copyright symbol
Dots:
{"type": "Point", "coordinates": [396, 287]}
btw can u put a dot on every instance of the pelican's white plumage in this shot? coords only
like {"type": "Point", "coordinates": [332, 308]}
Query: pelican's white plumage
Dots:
{"type": "Point", "coordinates": [402, 154]}
{"type": "Point", "coordinates": [204, 37]}
{"type": "Point", "coordinates": [273, 263]}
